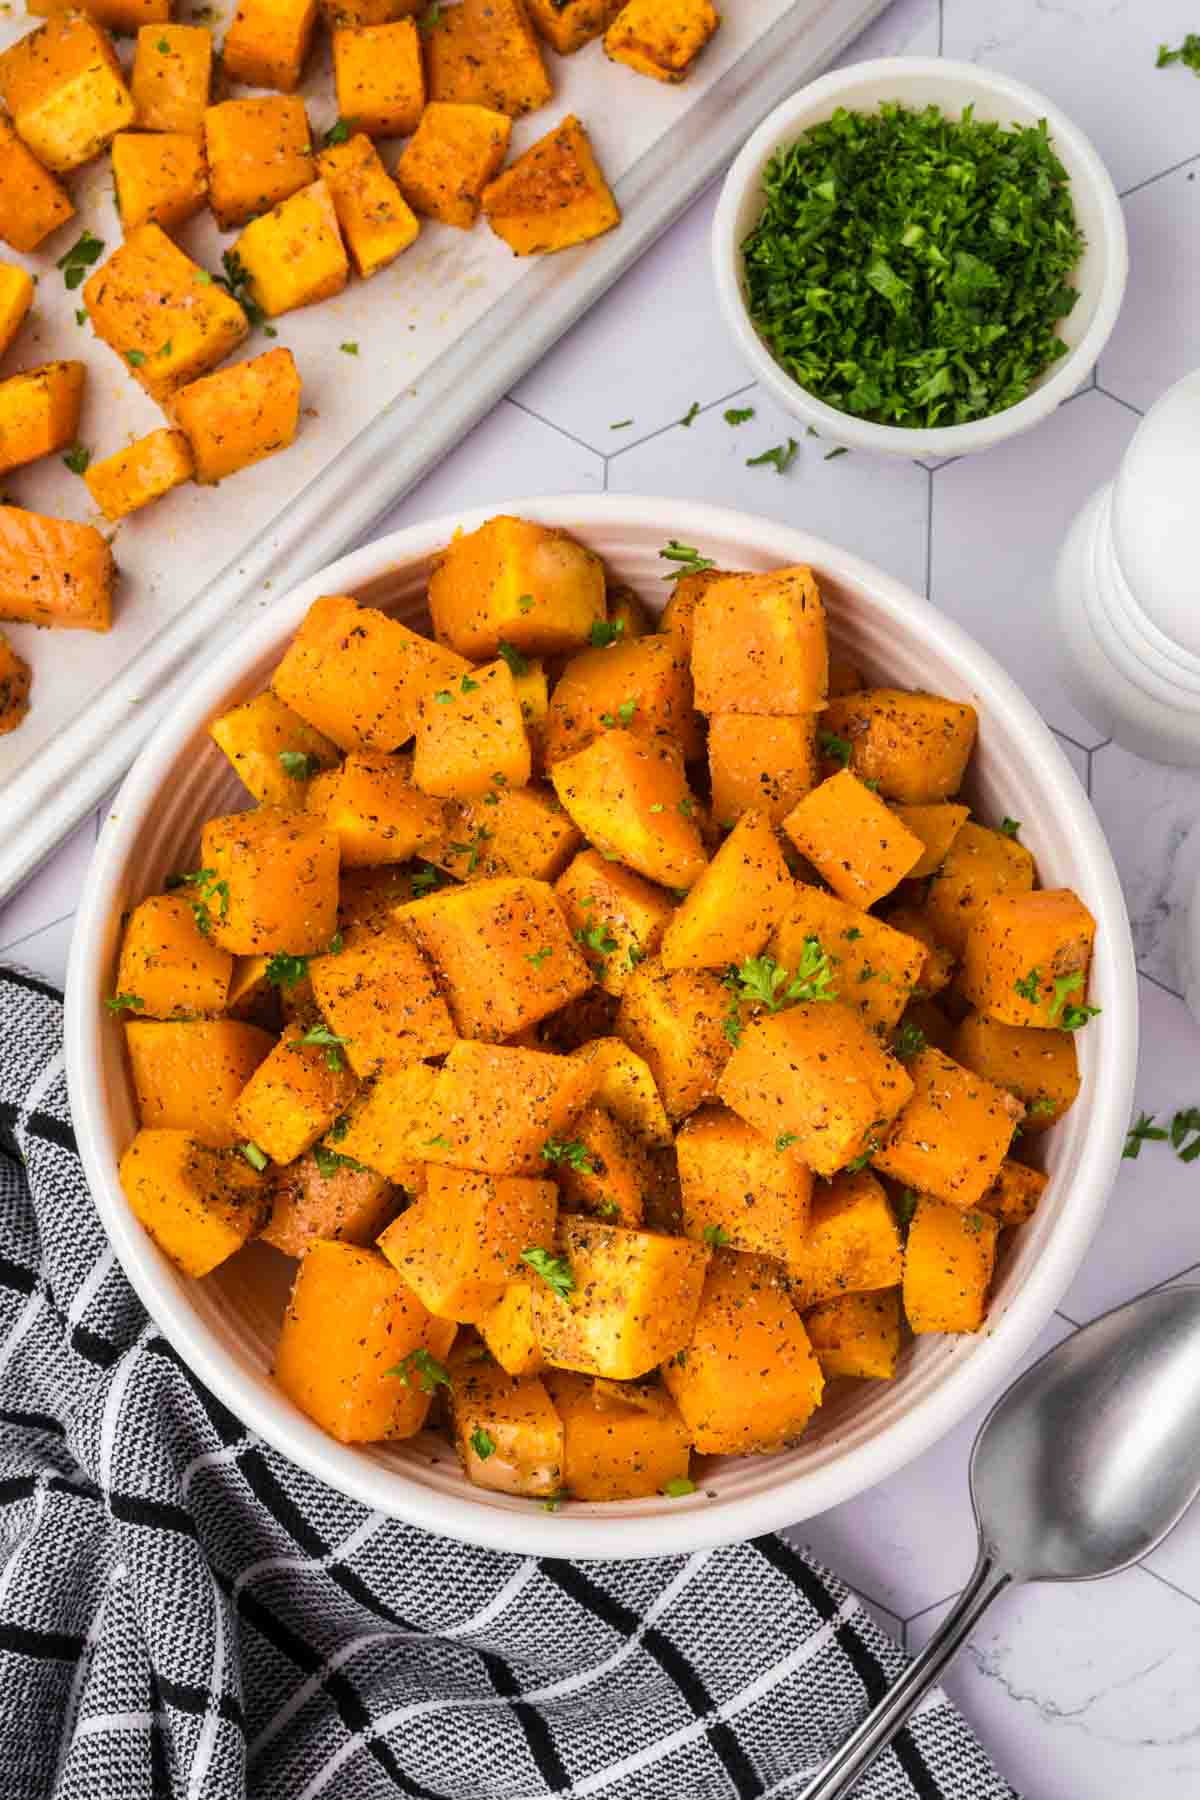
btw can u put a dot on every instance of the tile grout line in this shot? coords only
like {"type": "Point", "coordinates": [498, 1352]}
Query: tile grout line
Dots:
{"type": "Point", "coordinates": [1161, 176]}
{"type": "Point", "coordinates": [1117, 401]}
{"type": "Point", "coordinates": [1155, 982]}
{"type": "Point", "coordinates": [709, 406]}
{"type": "Point", "coordinates": [943, 1600]}
{"type": "Point", "coordinates": [36, 932]}
{"type": "Point", "coordinates": [1145, 1569]}
{"type": "Point", "coordinates": [929, 474]}
{"type": "Point", "coordinates": [550, 426]}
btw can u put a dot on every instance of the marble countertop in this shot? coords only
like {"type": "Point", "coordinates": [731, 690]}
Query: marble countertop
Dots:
{"type": "Point", "coordinates": [1082, 1693]}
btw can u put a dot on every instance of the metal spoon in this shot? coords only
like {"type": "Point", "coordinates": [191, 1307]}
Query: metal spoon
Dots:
{"type": "Point", "coordinates": [1082, 1467]}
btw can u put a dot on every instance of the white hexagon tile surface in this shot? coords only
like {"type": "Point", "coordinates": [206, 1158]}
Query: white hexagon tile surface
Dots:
{"type": "Point", "coordinates": [1083, 1693]}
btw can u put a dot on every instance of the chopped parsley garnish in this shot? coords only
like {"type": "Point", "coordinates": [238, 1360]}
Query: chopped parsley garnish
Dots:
{"type": "Point", "coordinates": [731, 1024]}
{"type": "Point", "coordinates": [348, 349]}
{"type": "Point", "coordinates": [77, 459]}
{"type": "Point", "coordinates": [538, 957]}
{"type": "Point", "coordinates": [236, 282]}
{"type": "Point", "coordinates": [258, 1159]}
{"type": "Point", "coordinates": [555, 1500]}
{"type": "Point", "coordinates": [605, 632]}
{"type": "Point", "coordinates": [525, 603]}
{"type": "Point", "coordinates": [555, 1271]}
{"type": "Point", "coordinates": [443, 697]}
{"type": "Point", "coordinates": [330, 1161]}
{"type": "Point", "coordinates": [864, 1156]}
{"type": "Point", "coordinates": [620, 424]}
{"type": "Point", "coordinates": [1009, 828]}
{"type": "Point", "coordinates": [1030, 986]}
{"type": "Point", "coordinates": [781, 456]}
{"type": "Point", "coordinates": [208, 888]}
{"type": "Point", "coordinates": [1188, 54]}
{"type": "Point", "coordinates": [836, 749]}
{"type": "Point", "coordinates": [468, 686]}
{"type": "Point", "coordinates": [737, 415]}
{"type": "Point", "coordinates": [599, 941]}
{"type": "Point", "coordinates": [437, 1143]}
{"type": "Point", "coordinates": [1144, 1132]}
{"type": "Point", "coordinates": [626, 711]}
{"type": "Point", "coordinates": [135, 358]}
{"type": "Point", "coordinates": [338, 133]}
{"type": "Point", "coordinates": [81, 315]}
{"type": "Point", "coordinates": [1041, 1108]}
{"type": "Point", "coordinates": [79, 258]}
{"type": "Point", "coordinates": [1185, 1125]}
{"type": "Point", "coordinates": [913, 269]}
{"type": "Point", "coordinates": [471, 851]}
{"type": "Point", "coordinates": [124, 1003]}
{"type": "Point", "coordinates": [573, 1152]}
{"type": "Point", "coordinates": [424, 1369]}
{"type": "Point", "coordinates": [691, 413]}
{"type": "Point", "coordinates": [330, 1042]}
{"type": "Point", "coordinates": [906, 1206]}
{"type": "Point", "coordinates": [512, 656]}
{"type": "Point", "coordinates": [286, 971]}
{"type": "Point", "coordinates": [482, 1443]}
{"type": "Point", "coordinates": [716, 1235]}
{"type": "Point", "coordinates": [1067, 1015]}
{"type": "Point", "coordinates": [426, 878]}
{"type": "Point", "coordinates": [678, 1486]}
{"type": "Point", "coordinates": [431, 18]}
{"type": "Point", "coordinates": [908, 1041]}
{"type": "Point", "coordinates": [829, 455]}
{"type": "Point", "coordinates": [300, 765]}
{"type": "Point", "coordinates": [689, 559]}
{"type": "Point", "coordinates": [337, 944]}
{"type": "Point", "coordinates": [763, 982]}
{"type": "Point", "coordinates": [785, 1140]}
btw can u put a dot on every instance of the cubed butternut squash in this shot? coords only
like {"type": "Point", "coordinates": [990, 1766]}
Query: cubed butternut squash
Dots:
{"type": "Point", "coordinates": [553, 196]}
{"type": "Point", "coordinates": [631, 798]}
{"type": "Point", "coordinates": [380, 77]}
{"type": "Point", "coordinates": [169, 964]}
{"type": "Point", "coordinates": [378, 813]}
{"type": "Point", "coordinates": [276, 872]}
{"type": "Point", "coordinates": [856, 1334]}
{"type": "Point", "coordinates": [1027, 958]}
{"type": "Point", "coordinates": [378, 993]}
{"type": "Point", "coordinates": [471, 738]}
{"type": "Point", "coordinates": [937, 965]}
{"type": "Point", "coordinates": [507, 1432]}
{"type": "Point", "coordinates": [915, 746]}
{"type": "Point", "coordinates": [619, 1443]}
{"type": "Point", "coordinates": [760, 763]}
{"type": "Point", "coordinates": [660, 40]}
{"type": "Point", "coordinates": [852, 839]}
{"type": "Point", "coordinates": [739, 901]}
{"type": "Point", "coordinates": [172, 75]}
{"type": "Point", "coordinates": [159, 177]}
{"type": "Point", "coordinates": [978, 864]}
{"type": "Point", "coordinates": [484, 52]}
{"type": "Point", "coordinates": [495, 1107]}
{"type": "Point", "coordinates": [463, 1241]}
{"type": "Point", "coordinates": [567, 25]}
{"type": "Point", "coordinates": [510, 831]}
{"type": "Point", "coordinates": [611, 1175]}
{"type": "Point", "coordinates": [506, 1327]}
{"type": "Point", "coordinates": [1014, 1195]}
{"type": "Point", "coordinates": [143, 472]}
{"type": "Point", "coordinates": [741, 1188]}
{"type": "Point", "coordinates": [39, 412]}
{"type": "Point", "coordinates": [16, 678]}
{"type": "Point", "coordinates": [630, 1304]}
{"type": "Point", "coordinates": [676, 1021]}
{"type": "Point", "coordinates": [625, 1087]}
{"type": "Point", "coordinates": [759, 644]}
{"type": "Point", "coordinates": [376, 220]}
{"type": "Point", "coordinates": [339, 13]}
{"type": "Point", "coordinates": [199, 1204]}
{"type": "Point", "coordinates": [1039, 1067]}
{"type": "Point", "coordinates": [54, 572]}
{"type": "Point", "coordinates": [240, 414]}
{"type": "Point", "coordinates": [616, 917]}
{"type": "Point", "coordinates": [275, 752]}
{"type": "Point", "coordinates": [643, 685]}
{"type": "Point", "coordinates": [293, 255]}
{"type": "Point", "coordinates": [258, 152]}
{"type": "Point", "coordinates": [16, 298]}
{"type": "Point", "coordinates": [64, 88]}
{"type": "Point", "coordinates": [513, 581]}
{"type": "Point", "coordinates": [295, 1094]}
{"type": "Point", "coordinates": [455, 151]}
{"type": "Point", "coordinates": [873, 966]}
{"type": "Point", "coordinates": [678, 616]}
{"type": "Point", "coordinates": [268, 41]}
{"type": "Point", "coordinates": [953, 1133]}
{"type": "Point", "coordinates": [369, 897]}
{"type": "Point", "coordinates": [937, 824]}
{"type": "Point", "coordinates": [188, 1074]}
{"type": "Point", "coordinates": [32, 202]}
{"type": "Point", "coordinates": [326, 1196]}
{"type": "Point", "coordinates": [852, 1244]}
{"type": "Point", "coordinates": [387, 1123]}
{"type": "Point", "coordinates": [949, 1257]}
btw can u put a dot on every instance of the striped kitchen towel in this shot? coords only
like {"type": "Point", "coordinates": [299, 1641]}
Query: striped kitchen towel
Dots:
{"type": "Point", "coordinates": [183, 1613]}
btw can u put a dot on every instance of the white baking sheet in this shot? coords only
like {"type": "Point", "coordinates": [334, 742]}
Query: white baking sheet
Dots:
{"type": "Point", "coordinates": [440, 335]}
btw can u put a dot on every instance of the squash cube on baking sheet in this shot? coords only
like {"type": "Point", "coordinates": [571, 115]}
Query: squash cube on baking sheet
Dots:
{"type": "Point", "coordinates": [168, 964]}
{"type": "Point", "coordinates": [172, 76]}
{"type": "Point", "coordinates": [259, 152]}
{"type": "Point", "coordinates": [552, 196]}
{"type": "Point", "coordinates": [1014, 1195]}
{"type": "Point", "coordinates": [515, 582]}
{"type": "Point", "coordinates": [293, 255]}
{"type": "Point", "coordinates": [741, 1188]}
{"type": "Point", "coordinates": [817, 1074]}
{"type": "Point", "coordinates": [39, 412]}
{"type": "Point", "coordinates": [508, 1434]}
{"type": "Point", "coordinates": [379, 994]}
{"type": "Point", "coordinates": [324, 1196]}
{"type": "Point", "coordinates": [949, 1257]}
{"type": "Point", "coordinates": [495, 1106]}
{"type": "Point", "coordinates": [199, 1204]}
{"type": "Point", "coordinates": [380, 78]}
{"type": "Point", "coordinates": [385, 1123]}
{"type": "Point", "coordinates": [16, 678]}
{"type": "Point", "coordinates": [268, 42]}
{"type": "Point", "coordinates": [503, 951]}
{"type": "Point", "coordinates": [765, 763]}
{"type": "Point", "coordinates": [141, 473]}
{"type": "Point", "coordinates": [506, 1328]}
{"type": "Point", "coordinates": [484, 52]}
{"type": "Point", "coordinates": [857, 1334]}
{"type": "Point", "coordinates": [567, 25]}
{"type": "Point", "coordinates": [357, 675]}
{"type": "Point", "coordinates": [612, 1176]}
{"type": "Point", "coordinates": [738, 902]}
{"type": "Point", "coordinates": [272, 882]}
{"type": "Point", "coordinates": [616, 916]}
{"type": "Point", "coordinates": [16, 298]}
{"type": "Point", "coordinates": [32, 202]}
{"type": "Point", "coordinates": [620, 1442]}
{"type": "Point", "coordinates": [874, 966]}
{"type": "Point", "coordinates": [241, 414]}
{"type": "Point", "coordinates": [759, 645]}
{"type": "Point", "coordinates": [293, 1096]}
{"type": "Point", "coordinates": [644, 683]}
{"type": "Point", "coordinates": [852, 1243]}
{"type": "Point", "coordinates": [349, 1352]}
{"type": "Point", "coordinates": [189, 1073]}
{"type": "Point", "coordinates": [511, 831]}
{"type": "Point", "coordinates": [471, 737]}
{"type": "Point", "coordinates": [631, 798]}
{"type": "Point", "coordinates": [54, 572]}
{"type": "Point", "coordinates": [453, 154]}
{"type": "Point", "coordinates": [676, 1022]}
{"type": "Point", "coordinates": [855, 842]}
{"type": "Point", "coordinates": [461, 1243]}
{"type": "Point", "coordinates": [124, 17]}
{"type": "Point", "coordinates": [64, 88]}
{"type": "Point", "coordinates": [661, 40]}
{"type": "Point", "coordinates": [274, 752]}
{"type": "Point", "coordinates": [378, 814]}
{"type": "Point", "coordinates": [159, 177]}
{"type": "Point", "coordinates": [937, 824]}
{"type": "Point", "coordinates": [1039, 1067]}
{"type": "Point", "coordinates": [375, 218]}
{"type": "Point", "coordinates": [952, 1135]}
{"type": "Point", "coordinates": [1027, 957]}
{"type": "Point", "coordinates": [163, 315]}
{"type": "Point", "coordinates": [978, 864]}
{"type": "Point", "coordinates": [632, 1302]}
{"type": "Point", "coordinates": [913, 746]}
{"type": "Point", "coordinates": [747, 1338]}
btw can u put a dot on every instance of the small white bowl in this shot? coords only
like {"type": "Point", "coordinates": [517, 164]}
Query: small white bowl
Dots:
{"type": "Point", "coordinates": [919, 81]}
{"type": "Point", "coordinates": [225, 1326]}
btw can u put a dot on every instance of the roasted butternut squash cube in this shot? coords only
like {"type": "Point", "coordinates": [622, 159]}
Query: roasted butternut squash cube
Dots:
{"type": "Point", "coordinates": [741, 1188]}
{"type": "Point", "coordinates": [169, 964]}
{"type": "Point", "coordinates": [450, 158]}
{"type": "Point", "coordinates": [676, 1021]}
{"type": "Point", "coordinates": [462, 1242]}
{"type": "Point", "coordinates": [632, 1301]}
{"type": "Point", "coordinates": [553, 196]}
{"type": "Point", "coordinates": [188, 1074]}
{"type": "Point", "coordinates": [759, 644]}
{"type": "Point", "coordinates": [163, 315]}
{"type": "Point", "coordinates": [378, 814]}
{"type": "Point", "coordinates": [484, 52]}
{"type": "Point", "coordinates": [845, 677]}
{"type": "Point", "coordinates": [643, 685]}
{"type": "Point", "coordinates": [937, 824]}
{"type": "Point", "coordinates": [915, 746]}
{"type": "Point", "coordinates": [325, 1196]}
{"type": "Point", "coordinates": [503, 951]}
{"type": "Point", "coordinates": [369, 897]}
{"type": "Point", "coordinates": [380, 78]}
{"type": "Point", "coordinates": [39, 412]}
{"type": "Point", "coordinates": [16, 677]}
{"type": "Point", "coordinates": [816, 1073]}
{"type": "Point", "coordinates": [949, 1257]}
{"type": "Point", "coordinates": [115, 15]}
{"type": "Point", "coordinates": [241, 414]}
{"type": "Point", "coordinates": [762, 763]}
{"type": "Point", "coordinates": [378, 994]}
{"type": "Point", "coordinates": [494, 1107]}
{"type": "Point", "coordinates": [357, 675]}
{"type": "Point", "coordinates": [619, 1443]}
{"type": "Point", "coordinates": [506, 1327]}
{"type": "Point", "coordinates": [852, 1244]}
{"type": "Point", "coordinates": [279, 869]}
{"type": "Point", "coordinates": [32, 202]}
{"type": "Point", "coordinates": [628, 618]}
{"type": "Point", "coordinates": [625, 1087]}
{"type": "Point", "coordinates": [678, 616]}
{"type": "Point", "coordinates": [857, 1334]}
{"type": "Point", "coordinates": [937, 966]}
{"type": "Point", "coordinates": [275, 752]}
{"type": "Point", "coordinates": [294, 255]}
{"type": "Point", "coordinates": [339, 13]}
{"type": "Point", "coordinates": [143, 472]}
{"type": "Point", "coordinates": [739, 901]}
{"type": "Point", "coordinates": [978, 864]}
{"type": "Point", "coordinates": [295, 1094]}
{"type": "Point", "coordinates": [159, 177]}
{"type": "Point", "coordinates": [63, 86]}
{"type": "Point", "coordinates": [630, 797]}
{"type": "Point", "coordinates": [853, 840]}
{"type": "Point", "coordinates": [54, 572]}
{"type": "Point", "coordinates": [747, 1339]}
{"type": "Point", "coordinates": [259, 152]}
{"type": "Point", "coordinates": [387, 1123]}
{"type": "Point", "coordinates": [616, 916]}
{"type": "Point", "coordinates": [268, 42]}
{"type": "Point", "coordinates": [199, 1204]}
{"type": "Point", "coordinates": [515, 582]}
{"type": "Point", "coordinates": [376, 220]}
{"type": "Point", "coordinates": [927, 1017]}
{"type": "Point", "coordinates": [172, 75]}
{"type": "Point", "coordinates": [952, 1135]}
{"type": "Point", "coordinates": [874, 966]}
{"type": "Point", "coordinates": [1039, 1067]}
{"type": "Point", "coordinates": [470, 736]}
{"type": "Point", "coordinates": [661, 40]}
{"type": "Point", "coordinates": [1027, 957]}
{"type": "Point", "coordinates": [506, 1430]}
{"type": "Point", "coordinates": [349, 1352]}
{"type": "Point", "coordinates": [16, 298]}
{"type": "Point", "coordinates": [511, 831]}
{"type": "Point", "coordinates": [612, 1176]}
{"type": "Point", "coordinates": [1014, 1195]}
{"type": "Point", "coordinates": [567, 25]}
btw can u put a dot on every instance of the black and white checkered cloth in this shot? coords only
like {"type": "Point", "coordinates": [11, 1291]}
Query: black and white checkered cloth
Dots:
{"type": "Point", "coordinates": [183, 1613]}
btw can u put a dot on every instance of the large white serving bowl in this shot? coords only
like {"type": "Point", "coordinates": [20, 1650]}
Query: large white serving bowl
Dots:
{"type": "Point", "coordinates": [920, 81]}
{"type": "Point", "coordinates": [226, 1325]}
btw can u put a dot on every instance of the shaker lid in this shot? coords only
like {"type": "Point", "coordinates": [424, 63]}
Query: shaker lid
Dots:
{"type": "Point", "coordinates": [1156, 514]}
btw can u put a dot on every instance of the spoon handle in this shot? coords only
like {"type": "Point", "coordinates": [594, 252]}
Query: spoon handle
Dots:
{"type": "Point", "coordinates": [883, 1722]}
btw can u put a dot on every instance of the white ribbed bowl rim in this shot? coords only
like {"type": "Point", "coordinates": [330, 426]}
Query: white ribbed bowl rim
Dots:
{"type": "Point", "coordinates": [860, 1441]}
